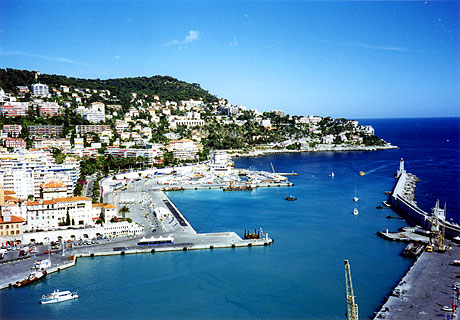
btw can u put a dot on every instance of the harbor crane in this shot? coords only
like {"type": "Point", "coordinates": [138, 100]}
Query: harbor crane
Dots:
{"type": "Point", "coordinates": [352, 307]}
{"type": "Point", "coordinates": [438, 227]}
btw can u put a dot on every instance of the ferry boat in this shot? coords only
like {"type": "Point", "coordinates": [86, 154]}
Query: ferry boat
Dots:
{"type": "Point", "coordinates": [58, 296]}
{"type": "Point", "coordinates": [34, 276]}
{"type": "Point", "coordinates": [355, 211]}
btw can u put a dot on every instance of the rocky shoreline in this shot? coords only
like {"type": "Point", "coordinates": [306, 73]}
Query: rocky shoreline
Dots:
{"type": "Point", "coordinates": [318, 148]}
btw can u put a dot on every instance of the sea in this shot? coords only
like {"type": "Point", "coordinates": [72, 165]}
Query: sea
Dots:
{"type": "Point", "coordinates": [301, 275]}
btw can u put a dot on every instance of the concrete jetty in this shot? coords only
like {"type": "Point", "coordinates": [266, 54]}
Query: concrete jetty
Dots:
{"type": "Point", "coordinates": [150, 207]}
{"type": "Point", "coordinates": [425, 289]}
{"type": "Point", "coordinates": [402, 200]}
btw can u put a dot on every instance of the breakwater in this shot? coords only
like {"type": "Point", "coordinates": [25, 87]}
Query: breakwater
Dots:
{"type": "Point", "coordinates": [402, 200]}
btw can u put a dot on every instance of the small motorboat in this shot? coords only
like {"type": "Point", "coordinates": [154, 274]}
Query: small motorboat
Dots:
{"type": "Point", "coordinates": [290, 198]}
{"type": "Point", "coordinates": [58, 296]}
{"type": "Point", "coordinates": [355, 198]}
{"type": "Point", "coordinates": [446, 308]}
{"type": "Point", "coordinates": [34, 276]}
{"type": "Point", "coordinates": [355, 211]}
{"type": "Point", "coordinates": [362, 173]}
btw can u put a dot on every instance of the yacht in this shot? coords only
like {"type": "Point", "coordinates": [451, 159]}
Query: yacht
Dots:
{"type": "Point", "coordinates": [58, 296]}
{"type": "Point", "coordinates": [355, 211]}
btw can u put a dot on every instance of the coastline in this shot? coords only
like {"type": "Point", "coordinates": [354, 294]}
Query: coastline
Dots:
{"type": "Point", "coordinates": [318, 148]}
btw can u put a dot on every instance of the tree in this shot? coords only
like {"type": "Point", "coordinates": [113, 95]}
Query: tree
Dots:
{"type": "Point", "coordinates": [67, 219]}
{"type": "Point", "coordinates": [124, 210]}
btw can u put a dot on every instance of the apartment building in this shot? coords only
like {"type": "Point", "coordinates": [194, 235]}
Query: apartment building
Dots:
{"type": "Point", "coordinates": [45, 131]}
{"type": "Point", "coordinates": [39, 89]}
{"type": "Point", "coordinates": [14, 109]}
{"type": "Point", "coordinates": [12, 130]}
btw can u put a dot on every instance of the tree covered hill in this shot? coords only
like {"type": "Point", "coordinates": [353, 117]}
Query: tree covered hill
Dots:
{"type": "Point", "coordinates": [166, 87]}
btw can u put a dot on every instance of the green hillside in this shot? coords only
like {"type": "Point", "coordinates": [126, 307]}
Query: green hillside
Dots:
{"type": "Point", "coordinates": [166, 87]}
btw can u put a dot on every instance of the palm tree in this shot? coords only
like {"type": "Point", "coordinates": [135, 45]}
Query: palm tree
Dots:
{"type": "Point", "coordinates": [124, 210]}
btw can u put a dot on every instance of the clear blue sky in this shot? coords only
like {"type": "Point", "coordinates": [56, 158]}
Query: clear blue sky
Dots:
{"type": "Point", "coordinates": [342, 59]}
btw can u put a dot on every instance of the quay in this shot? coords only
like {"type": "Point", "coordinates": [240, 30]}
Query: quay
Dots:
{"type": "Point", "coordinates": [425, 289]}
{"type": "Point", "coordinates": [405, 236]}
{"type": "Point", "coordinates": [402, 200]}
{"type": "Point", "coordinates": [430, 289]}
{"type": "Point", "coordinates": [148, 206]}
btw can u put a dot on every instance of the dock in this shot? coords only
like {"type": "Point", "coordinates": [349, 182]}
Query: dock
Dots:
{"type": "Point", "coordinates": [425, 289]}
{"type": "Point", "coordinates": [161, 218]}
{"type": "Point", "coordinates": [405, 236]}
{"type": "Point", "coordinates": [402, 201]}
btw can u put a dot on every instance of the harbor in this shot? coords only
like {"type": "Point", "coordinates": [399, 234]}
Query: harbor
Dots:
{"type": "Point", "coordinates": [148, 206]}
{"type": "Point", "coordinates": [289, 278]}
{"type": "Point", "coordinates": [430, 288]}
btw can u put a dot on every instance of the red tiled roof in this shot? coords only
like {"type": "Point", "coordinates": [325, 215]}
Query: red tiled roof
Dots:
{"type": "Point", "coordinates": [52, 184]}
{"type": "Point", "coordinates": [14, 219]}
{"type": "Point", "coordinates": [70, 199]}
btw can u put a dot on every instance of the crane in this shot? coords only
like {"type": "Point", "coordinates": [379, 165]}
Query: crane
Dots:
{"type": "Point", "coordinates": [352, 307]}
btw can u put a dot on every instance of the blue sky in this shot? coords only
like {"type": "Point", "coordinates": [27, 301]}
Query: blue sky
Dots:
{"type": "Point", "coordinates": [342, 59]}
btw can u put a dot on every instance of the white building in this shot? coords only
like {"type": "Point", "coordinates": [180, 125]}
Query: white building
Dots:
{"type": "Point", "coordinates": [49, 214]}
{"type": "Point", "coordinates": [184, 149]}
{"type": "Point", "coordinates": [39, 89]}
{"type": "Point", "coordinates": [24, 172]}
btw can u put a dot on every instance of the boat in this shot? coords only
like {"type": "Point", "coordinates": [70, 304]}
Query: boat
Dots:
{"type": "Point", "coordinates": [355, 198]}
{"type": "Point", "coordinates": [34, 276]}
{"type": "Point", "coordinates": [362, 173]}
{"type": "Point", "coordinates": [456, 263]}
{"type": "Point", "coordinates": [290, 198]}
{"type": "Point", "coordinates": [332, 174]}
{"type": "Point", "coordinates": [355, 211]}
{"type": "Point", "coordinates": [58, 296]}
{"type": "Point", "coordinates": [414, 249]}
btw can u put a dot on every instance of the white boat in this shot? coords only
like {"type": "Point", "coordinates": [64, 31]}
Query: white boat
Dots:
{"type": "Point", "coordinates": [58, 296]}
{"type": "Point", "coordinates": [355, 198]}
{"type": "Point", "coordinates": [355, 211]}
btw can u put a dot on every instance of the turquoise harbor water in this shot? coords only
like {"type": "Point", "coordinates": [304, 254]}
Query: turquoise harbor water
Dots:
{"type": "Point", "coordinates": [301, 275]}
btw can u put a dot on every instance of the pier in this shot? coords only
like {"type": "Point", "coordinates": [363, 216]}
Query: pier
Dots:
{"type": "Point", "coordinates": [150, 207]}
{"type": "Point", "coordinates": [425, 289]}
{"type": "Point", "coordinates": [402, 200]}
{"type": "Point", "coordinates": [428, 289]}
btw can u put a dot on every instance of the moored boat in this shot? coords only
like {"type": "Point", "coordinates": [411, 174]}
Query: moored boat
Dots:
{"type": "Point", "coordinates": [58, 296]}
{"type": "Point", "coordinates": [34, 276]}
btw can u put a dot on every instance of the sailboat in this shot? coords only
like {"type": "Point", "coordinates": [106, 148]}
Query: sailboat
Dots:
{"type": "Point", "coordinates": [355, 198]}
{"type": "Point", "coordinates": [332, 174]}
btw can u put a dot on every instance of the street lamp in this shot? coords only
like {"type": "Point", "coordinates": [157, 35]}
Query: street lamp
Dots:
{"type": "Point", "coordinates": [49, 248]}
